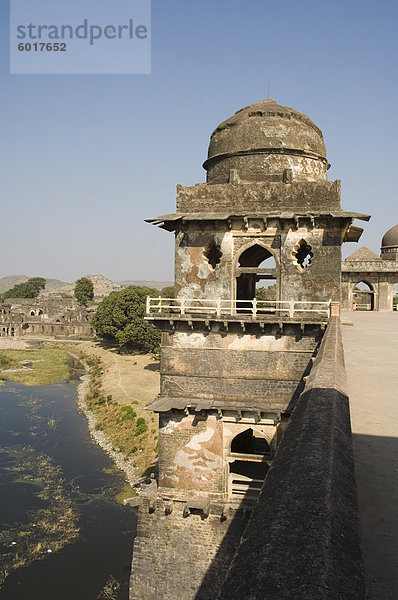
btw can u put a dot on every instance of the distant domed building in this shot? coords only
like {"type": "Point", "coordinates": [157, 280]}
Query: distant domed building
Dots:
{"type": "Point", "coordinates": [369, 281]}
{"type": "Point", "coordinates": [389, 244]}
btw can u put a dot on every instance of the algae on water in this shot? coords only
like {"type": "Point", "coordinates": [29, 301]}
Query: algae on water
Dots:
{"type": "Point", "coordinates": [48, 527]}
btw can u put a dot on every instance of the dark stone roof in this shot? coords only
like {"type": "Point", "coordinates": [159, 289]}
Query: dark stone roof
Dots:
{"type": "Point", "coordinates": [266, 125]}
{"type": "Point", "coordinates": [390, 239]}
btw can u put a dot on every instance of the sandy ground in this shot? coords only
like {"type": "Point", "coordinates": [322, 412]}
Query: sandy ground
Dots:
{"type": "Point", "coordinates": [371, 356]}
{"type": "Point", "coordinates": [127, 377]}
{"type": "Point", "coordinates": [12, 343]}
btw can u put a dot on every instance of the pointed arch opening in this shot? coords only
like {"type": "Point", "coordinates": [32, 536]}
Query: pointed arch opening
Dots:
{"type": "Point", "coordinates": [256, 274]}
{"type": "Point", "coordinates": [363, 296]}
{"type": "Point", "coordinates": [251, 454]}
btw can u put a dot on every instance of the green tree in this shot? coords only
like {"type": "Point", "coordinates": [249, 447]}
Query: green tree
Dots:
{"type": "Point", "coordinates": [84, 291]}
{"type": "Point", "coordinates": [120, 317]}
{"type": "Point", "coordinates": [268, 293]}
{"type": "Point", "coordinates": [29, 289]}
{"type": "Point", "coordinates": [168, 292]}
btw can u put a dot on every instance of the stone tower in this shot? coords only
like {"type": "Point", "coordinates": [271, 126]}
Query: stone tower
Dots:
{"type": "Point", "coordinates": [232, 364]}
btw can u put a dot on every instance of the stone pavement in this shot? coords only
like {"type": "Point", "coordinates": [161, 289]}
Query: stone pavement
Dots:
{"type": "Point", "coordinates": [371, 357]}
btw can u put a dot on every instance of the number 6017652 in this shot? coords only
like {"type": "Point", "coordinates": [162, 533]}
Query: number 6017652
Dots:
{"type": "Point", "coordinates": [42, 47]}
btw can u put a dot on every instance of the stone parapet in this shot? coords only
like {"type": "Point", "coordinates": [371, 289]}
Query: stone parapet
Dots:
{"type": "Point", "coordinates": [359, 266]}
{"type": "Point", "coordinates": [303, 539]}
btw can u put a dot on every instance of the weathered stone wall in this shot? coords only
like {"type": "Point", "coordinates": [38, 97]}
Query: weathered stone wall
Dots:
{"type": "Point", "coordinates": [196, 278]}
{"type": "Point", "coordinates": [317, 282]}
{"type": "Point", "coordinates": [191, 453]}
{"type": "Point", "coordinates": [302, 541]}
{"type": "Point", "coordinates": [269, 167]}
{"type": "Point", "coordinates": [260, 198]}
{"type": "Point", "coordinates": [194, 450]}
{"type": "Point", "coordinates": [236, 366]}
{"type": "Point", "coordinates": [172, 552]}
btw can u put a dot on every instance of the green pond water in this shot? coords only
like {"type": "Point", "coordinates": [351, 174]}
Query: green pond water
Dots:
{"type": "Point", "coordinates": [63, 535]}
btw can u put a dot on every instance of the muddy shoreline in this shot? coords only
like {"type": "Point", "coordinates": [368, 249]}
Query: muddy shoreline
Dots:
{"type": "Point", "coordinates": [125, 465]}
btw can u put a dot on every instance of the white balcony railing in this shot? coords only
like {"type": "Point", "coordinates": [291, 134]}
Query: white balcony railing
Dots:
{"type": "Point", "coordinates": [220, 308]}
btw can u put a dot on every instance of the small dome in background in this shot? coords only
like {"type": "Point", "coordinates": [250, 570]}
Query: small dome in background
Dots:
{"type": "Point", "coordinates": [390, 239]}
{"type": "Point", "coordinates": [266, 142]}
{"type": "Point", "coordinates": [389, 244]}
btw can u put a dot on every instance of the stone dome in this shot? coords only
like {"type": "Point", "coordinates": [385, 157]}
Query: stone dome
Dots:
{"type": "Point", "coordinates": [266, 142]}
{"type": "Point", "coordinates": [390, 239]}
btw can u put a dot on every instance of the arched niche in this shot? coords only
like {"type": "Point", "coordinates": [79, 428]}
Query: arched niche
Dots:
{"type": "Point", "coordinates": [256, 268]}
{"type": "Point", "coordinates": [250, 455]}
{"type": "Point", "coordinates": [363, 296]}
{"type": "Point", "coordinates": [250, 442]}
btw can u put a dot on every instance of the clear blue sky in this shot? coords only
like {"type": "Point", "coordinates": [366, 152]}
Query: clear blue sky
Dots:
{"type": "Point", "coordinates": [84, 159]}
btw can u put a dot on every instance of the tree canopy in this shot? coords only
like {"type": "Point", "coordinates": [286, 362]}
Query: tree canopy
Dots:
{"type": "Point", "coordinates": [84, 290]}
{"type": "Point", "coordinates": [168, 292]}
{"type": "Point", "coordinates": [29, 289]}
{"type": "Point", "coordinates": [268, 293]}
{"type": "Point", "coordinates": [120, 317]}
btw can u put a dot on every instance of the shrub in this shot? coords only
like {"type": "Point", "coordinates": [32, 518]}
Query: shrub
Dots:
{"type": "Point", "coordinates": [4, 360]}
{"type": "Point", "coordinates": [126, 414]}
{"type": "Point", "coordinates": [141, 427]}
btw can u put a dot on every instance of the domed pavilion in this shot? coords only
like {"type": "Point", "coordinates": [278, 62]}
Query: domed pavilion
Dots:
{"type": "Point", "coordinates": [257, 276]}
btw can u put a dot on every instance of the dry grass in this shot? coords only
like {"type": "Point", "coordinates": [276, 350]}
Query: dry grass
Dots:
{"type": "Point", "coordinates": [35, 366]}
{"type": "Point", "coordinates": [132, 380]}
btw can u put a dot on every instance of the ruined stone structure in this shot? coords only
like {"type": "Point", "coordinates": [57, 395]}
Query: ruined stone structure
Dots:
{"type": "Point", "coordinates": [370, 282]}
{"type": "Point", "coordinates": [232, 367]}
{"type": "Point", "coordinates": [54, 316]}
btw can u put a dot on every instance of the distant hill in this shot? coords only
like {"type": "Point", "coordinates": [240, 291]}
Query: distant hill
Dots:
{"type": "Point", "coordinates": [102, 286]}
{"type": "Point", "coordinates": [159, 285]}
{"type": "Point", "coordinates": [8, 282]}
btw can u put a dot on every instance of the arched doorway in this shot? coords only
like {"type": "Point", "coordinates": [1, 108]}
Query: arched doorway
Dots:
{"type": "Point", "coordinates": [363, 296]}
{"type": "Point", "coordinates": [395, 298]}
{"type": "Point", "coordinates": [250, 459]}
{"type": "Point", "coordinates": [256, 275]}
